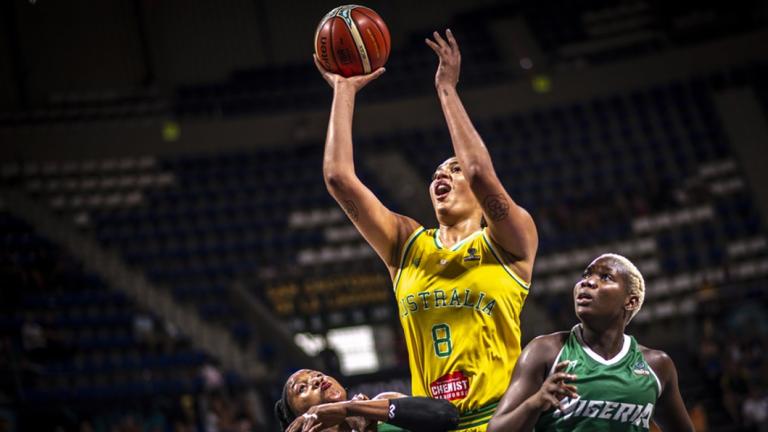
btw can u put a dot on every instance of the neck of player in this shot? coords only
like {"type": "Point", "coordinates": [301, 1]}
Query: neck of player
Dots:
{"type": "Point", "coordinates": [452, 234]}
{"type": "Point", "coordinates": [606, 342]}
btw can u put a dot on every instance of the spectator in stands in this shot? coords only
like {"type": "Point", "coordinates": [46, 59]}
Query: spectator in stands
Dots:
{"type": "Point", "coordinates": [312, 399]}
{"type": "Point", "coordinates": [709, 354]}
{"type": "Point", "coordinates": [474, 347]}
{"type": "Point", "coordinates": [733, 384]}
{"type": "Point", "coordinates": [754, 409]}
{"type": "Point", "coordinates": [211, 375]}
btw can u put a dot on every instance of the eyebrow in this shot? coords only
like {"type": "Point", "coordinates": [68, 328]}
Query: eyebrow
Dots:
{"type": "Point", "coordinates": [602, 267]}
{"type": "Point", "coordinates": [446, 164]}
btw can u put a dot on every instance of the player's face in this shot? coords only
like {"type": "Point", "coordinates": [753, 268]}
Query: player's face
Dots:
{"type": "Point", "coordinates": [602, 291]}
{"type": "Point", "coordinates": [307, 388]}
{"type": "Point", "coordinates": [450, 192]}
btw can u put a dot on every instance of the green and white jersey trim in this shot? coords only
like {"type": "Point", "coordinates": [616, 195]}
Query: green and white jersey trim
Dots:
{"type": "Point", "coordinates": [600, 359]}
{"type": "Point", "coordinates": [614, 394]}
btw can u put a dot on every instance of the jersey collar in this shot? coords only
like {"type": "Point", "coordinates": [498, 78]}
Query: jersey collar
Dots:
{"type": "Point", "coordinates": [458, 244]}
{"type": "Point", "coordinates": [597, 357]}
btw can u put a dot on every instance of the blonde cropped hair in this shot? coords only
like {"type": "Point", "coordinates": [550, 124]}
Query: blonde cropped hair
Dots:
{"type": "Point", "coordinates": [635, 279]}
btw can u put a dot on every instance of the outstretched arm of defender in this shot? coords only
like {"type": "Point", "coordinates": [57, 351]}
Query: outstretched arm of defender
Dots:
{"type": "Point", "coordinates": [411, 413]}
{"type": "Point", "coordinates": [509, 224]}
{"type": "Point", "coordinates": [384, 230]}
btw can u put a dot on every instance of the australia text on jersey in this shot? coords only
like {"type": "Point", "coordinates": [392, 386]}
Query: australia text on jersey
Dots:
{"type": "Point", "coordinates": [439, 298]}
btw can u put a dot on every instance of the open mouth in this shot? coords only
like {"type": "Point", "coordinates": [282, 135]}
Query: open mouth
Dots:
{"type": "Point", "coordinates": [442, 189]}
{"type": "Point", "coordinates": [583, 298]}
{"type": "Point", "coordinates": [325, 386]}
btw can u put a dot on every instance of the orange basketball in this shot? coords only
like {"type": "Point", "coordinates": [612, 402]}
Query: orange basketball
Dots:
{"type": "Point", "coordinates": [352, 40]}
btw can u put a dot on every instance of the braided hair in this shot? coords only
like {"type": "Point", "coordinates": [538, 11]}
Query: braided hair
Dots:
{"type": "Point", "coordinates": [283, 411]}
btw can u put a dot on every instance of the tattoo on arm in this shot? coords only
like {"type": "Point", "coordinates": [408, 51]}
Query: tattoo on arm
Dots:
{"type": "Point", "coordinates": [496, 207]}
{"type": "Point", "coordinates": [351, 208]}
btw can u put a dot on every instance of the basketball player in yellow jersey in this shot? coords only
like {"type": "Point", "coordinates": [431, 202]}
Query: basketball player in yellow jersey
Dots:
{"type": "Point", "coordinates": [460, 288]}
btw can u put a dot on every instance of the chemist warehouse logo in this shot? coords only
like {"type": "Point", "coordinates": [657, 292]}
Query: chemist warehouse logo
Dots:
{"type": "Point", "coordinates": [452, 386]}
{"type": "Point", "coordinates": [627, 413]}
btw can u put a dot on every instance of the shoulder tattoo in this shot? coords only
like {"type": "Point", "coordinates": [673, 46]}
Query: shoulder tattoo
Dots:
{"type": "Point", "coordinates": [496, 207]}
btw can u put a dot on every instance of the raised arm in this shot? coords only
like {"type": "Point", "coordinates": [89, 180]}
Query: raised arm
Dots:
{"type": "Point", "coordinates": [670, 413]}
{"type": "Point", "coordinates": [531, 391]}
{"type": "Point", "coordinates": [411, 413]}
{"type": "Point", "coordinates": [509, 224]}
{"type": "Point", "coordinates": [384, 230]}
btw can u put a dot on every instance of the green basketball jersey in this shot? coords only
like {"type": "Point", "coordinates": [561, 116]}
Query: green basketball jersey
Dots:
{"type": "Point", "coordinates": [386, 427]}
{"type": "Point", "coordinates": [617, 394]}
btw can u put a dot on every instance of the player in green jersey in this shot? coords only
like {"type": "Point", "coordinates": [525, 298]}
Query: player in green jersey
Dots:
{"type": "Point", "coordinates": [594, 377]}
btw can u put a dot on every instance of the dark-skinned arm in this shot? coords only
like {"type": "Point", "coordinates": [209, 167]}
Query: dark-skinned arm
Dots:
{"type": "Point", "coordinates": [412, 413]}
{"type": "Point", "coordinates": [531, 391]}
{"type": "Point", "coordinates": [670, 413]}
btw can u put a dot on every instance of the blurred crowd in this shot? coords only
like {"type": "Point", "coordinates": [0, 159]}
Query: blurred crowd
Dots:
{"type": "Point", "coordinates": [732, 358]}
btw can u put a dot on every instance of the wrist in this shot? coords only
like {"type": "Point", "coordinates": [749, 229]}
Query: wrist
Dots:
{"type": "Point", "coordinates": [344, 87]}
{"type": "Point", "coordinates": [347, 407]}
{"type": "Point", "coordinates": [377, 409]}
{"type": "Point", "coordinates": [535, 404]}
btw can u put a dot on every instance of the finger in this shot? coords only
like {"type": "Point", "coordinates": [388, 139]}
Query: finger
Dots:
{"type": "Point", "coordinates": [435, 47]}
{"type": "Point", "coordinates": [567, 390]}
{"type": "Point", "coordinates": [561, 393]}
{"type": "Point", "coordinates": [316, 427]}
{"type": "Point", "coordinates": [551, 399]}
{"type": "Point", "coordinates": [562, 376]}
{"type": "Point", "coordinates": [440, 40]}
{"type": "Point", "coordinates": [377, 73]}
{"type": "Point", "coordinates": [451, 39]}
{"type": "Point", "coordinates": [562, 365]}
{"type": "Point", "coordinates": [558, 377]}
{"type": "Point", "coordinates": [365, 79]}
{"type": "Point", "coordinates": [556, 390]}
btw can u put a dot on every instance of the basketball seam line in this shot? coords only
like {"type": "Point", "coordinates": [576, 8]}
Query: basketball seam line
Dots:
{"type": "Point", "coordinates": [355, 33]}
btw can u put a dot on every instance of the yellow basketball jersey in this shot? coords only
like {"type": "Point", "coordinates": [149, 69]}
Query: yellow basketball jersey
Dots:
{"type": "Point", "coordinates": [460, 312]}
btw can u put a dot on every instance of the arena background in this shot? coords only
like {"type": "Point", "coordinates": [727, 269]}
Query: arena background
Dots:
{"type": "Point", "coordinates": [169, 253]}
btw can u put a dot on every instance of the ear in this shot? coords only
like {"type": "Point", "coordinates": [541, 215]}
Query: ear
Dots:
{"type": "Point", "coordinates": [632, 302]}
